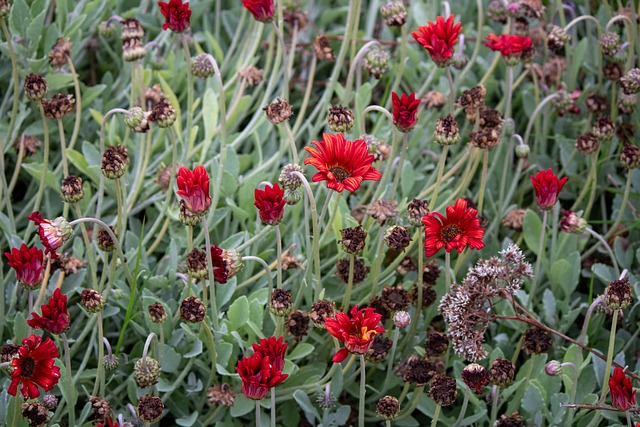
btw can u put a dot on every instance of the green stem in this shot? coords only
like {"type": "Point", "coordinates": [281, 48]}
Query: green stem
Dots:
{"type": "Point", "coordinates": [67, 361]}
{"type": "Point", "coordinates": [97, 386]}
{"type": "Point", "coordinates": [187, 132]}
{"type": "Point", "coordinates": [536, 273]}
{"type": "Point", "coordinates": [352, 69]}
{"type": "Point", "coordinates": [273, 407]}
{"type": "Point", "coordinates": [292, 143]}
{"type": "Point", "coordinates": [623, 205]}
{"type": "Point", "coordinates": [212, 349]}
{"type": "Point", "coordinates": [441, 162]}
{"type": "Point", "coordinates": [223, 136]}
{"type": "Point", "coordinates": [612, 342]}
{"type": "Point", "coordinates": [121, 218]}
{"type": "Point", "coordinates": [316, 233]}
{"type": "Point", "coordinates": [279, 256]}
{"type": "Point", "coordinates": [494, 404]}
{"type": "Point", "coordinates": [212, 285]}
{"type": "Point", "coordinates": [452, 91]}
{"type": "Point", "coordinates": [258, 423]}
{"type": "Point", "coordinates": [483, 181]}
{"type": "Point", "coordinates": [447, 271]}
{"type": "Point", "coordinates": [363, 383]}
{"type": "Point", "coordinates": [436, 415]}
{"type": "Point", "coordinates": [394, 347]}
{"type": "Point", "coordinates": [65, 163]}
{"type": "Point", "coordinates": [463, 410]}
{"type": "Point", "coordinates": [88, 249]}
{"type": "Point", "coordinates": [307, 95]}
{"type": "Point", "coordinates": [78, 94]}
{"type": "Point", "coordinates": [347, 295]}
{"type": "Point", "coordinates": [45, 167]}
{"type": "Point", "coordinates": [416, 316]}
{"type": "Point", "coordinates": [377, 264]}
{"type": "Point", "coordinates": [403, 155]}
{"type": "Point", "coordinates": [16, 401]}
{"type": "Point", "coordinates": [143, 162]}
{"type": "Point", "coordinates": [402, 59]}
{"type": "Point", "coordinates": [14, 77]}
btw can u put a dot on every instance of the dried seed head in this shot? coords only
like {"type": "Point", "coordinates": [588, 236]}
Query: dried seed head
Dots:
{"type": "Point", "coordinates": [553, 368]}
{"type": "Point", "coordinates": [531, 8]}
{"type": "Point", "coordinates": [415, 370]}
{"type": "Point", "coordinates": [434, 100]}
{"type": "Point", "coordinates": [296, 17]}
{"type": "Point", "coordinates": [162, 114]}
{"type": "Point", "coordinates": [436, 344]}
{"type": "Point", "coordinates": [115, 161]}
{"type": "Point", "coordinates": [111, 362]}
{"type": "Point", "coordinates": [402, 319]}
{"type": "Point", "coordinates": [58, 106]}
{"type": "Point", "coordinates": [105, 242]}
{"type": "Point", "coordinates": [603, 129]}
{"type": "Point", "coordinates": [597, 103]}
{"type": "Point", "coordinates": [475, 377]}
{"type": "Point", "coordinates": [92, 300]}
{"type": "Point", "coordinates": [430, 273]}
{"type": "Point", "coordinates": [360, 270]}
{"type": "Point", "coordinates": [287, 177]}
{"type": "Point", "coordinates": [416, 210]}
{"type": "Point", "coordinates": [502, 372]}
{"type": "Point", "coordinates": [221, 394]}
{"type": "Point", "coordinates": [472, 99]}
{"type": "Point", "coordinates": [394, 298]}
{"type": "Point", "coordinates": [376, 61]}
{"type": "Point", "coordinates": [136, 119]}
{"type": "Point", "coordinates": [35, 87]}
{"type": "Point", "coordinates": [36, 414]}
{"type": "Point", "coordinates": [447, 132]}
{"type": "Point", "coordinates": [202, 67]}
{"type": "Point", "coordinates": [197, 263]}
{"type": "Point", "coordinates": [5, 8]}
{"type": "Point", "coordinates": [50, 402]}
{"type": "Point", "coordinates": [146, 372]}
{"type": "Point", "coordinates": [443, 390]}
{"type": "Point", "coordinates": [297, 324]}
{"type": "Point", "coordinates": [382, 210]}
{"type": "Point", "coordinates": [536, 341]}
{"type": "Point", "coordinates": [428, 295]}
{"type": "Point", "coordinates": [379, 349]}
{"type": "Point", "coordinates": [630, 156]}
{"type": "Point", "coordinates": [150, 408]}
{"type": "Point", "coordinates": [101, 410]}
{"type": "Point", "coordinates": [278, 111]}
{"type": "Point", "coordinates": [610, 43]}
{"type": "Point", "coordinates": [131, 29]}
{"type": "Point", "coordinates": [514, 219]}
{"type": "Point", "coordinates": [163, 179]}
{"type": "Point", "coordinates": [618, 294]}
{"type": "Point", "coordinates": [497, 12]}
{"type": "Point", "coordinates": [157, 313]}
{"type": "Point", "coordinates": [71, 189]}
{"type": "Point", "coordinates": [67, 263]}
{"type": "Point", "coordinates": [192, 310]}
{"type": "Point", "coordinates": [60, 51]}
{"type": "Point", "coordinates": [379, 149]}
{"type": "Point", "coordinates": [587, 143]}
{"type": "Point", "coordinates": [107, 29]}
{"type": "Point", "coordinates": [513, 420]}
{"type": "Point", "coordinates": [321, 310]}
{"type": "Point", "coordinates": [353, 239]}
{"type": "Point", "coordinates": [394, 13]}
{"type": "Point", "coordinates": [613, 71]}
{"type": "Point", "coordinates": [630, 82]}
{"type": "Point", "coordinates": [30, 144]}
{"type": "Point", "coordinates": [485, 138]}
{"type": "Point", "coordinates": [323, 50]}
{"type": "Point", "coordinates": [281, 303]}
{"type": "Point", "coordinates": [340, 118]}
{"type": "Point", "coordinates": [397, 237]}
{"type": "Point", "coordinates": [252, 75]}
{"type": "Point", "coordinates": [487, 117]}
{"type": "Point", "coordinates": [572, 223]}
{"type": "Point", "coordinates": [7, 352]}
{"type": "Point", "coordinates": [388, 407]}
{"type": "Point", "coordinates": [133, 50]}
{"type": "Point", "coordinates": [557, 38]}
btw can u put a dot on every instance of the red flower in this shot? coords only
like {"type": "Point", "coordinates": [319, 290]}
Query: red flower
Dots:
{"type": "Point", "coordinates": [355, 332]}
{"type": "Point", "coordinates": [176, 14]}
{"type": "Point", "coordinates": [55, 316]}
{"type": "Point", "coordinates": [109, 423]}
{"type": "Point", "coordinates": [274, 348]}
{"type": "Point", "coordinates": [262, 10]}
{"type": "Point", "coordinates": [193, 188]}
{"type": "Point", "coordinates": [342, 163]}
{"type": "Point", "coordinates": [623, 396]}
{"type": "Point", "coordinates": [459, 229]}
{"type": "Point", "coordinates": [27, 262]}
{"type": "Point", "coordinates": [33, 367]}
{"type": "Point", "coordinates": [226, 263]}
{"type": "Point", "coordinates": [439, 39]}
{"type": "Point", "coordinates": [53, 234]}
{"type": "Point", "coordinates": [259, 374]}
{"type": "Point", "coordinates": [404, 111]}
{"type": "Point", "coordinates": [547, 187]}
{"type": "Point", "coordinates": [270, 203]}
{"type": "Point", "coordinates": [508, 45]}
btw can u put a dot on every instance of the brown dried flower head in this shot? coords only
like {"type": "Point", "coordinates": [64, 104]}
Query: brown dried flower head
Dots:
{"type": "Point", "coordinates": [394, 13]}
{"type": "Point", "coordinates": [603, 129]}
{"type": "Point", "coordinates": [557, 38]}
{"type": "Point", "coordinates": [131, 29]}
{"type": "Point", "coordinates": [397, 237]}
{"type": "Point", "coordinates": [613, 71]}
{"type": "Point", "coordinates": [513, 420]}
{"type": "Point", "coordinates": [321, 310]}
{"type": "Point", "coordinates": [105, 242]}
{"type": "Point", "coordinates": [514, 219]}
{"type": "Point", "coordinates": [36, 414]}
{"type": "Point", "coordinates": [192, 310]}
{"type": "Point", "coordinates": [101, 410]}
{"type": "Point", "coordinates": [323, 50]}
{"type": "Point", "coordinates": [278, 111]}
{"type": "Point", "coordinates": [536, 341]}
{"type": "Point", "coordinates": [587, 143]}
{"type": "Point", "coordinates": [7, 351]}
{"type": "Point", "coordinates": [379, 349]}
{"type": "Point", "coordinates": [376, 62]}
{"type": "Point", "coordinates": [415, 370]}
{"type": "Point", "coordinates": [202, 67]}
{"type": "Point", "coordinates": [436, 344]}
{"type": "Point", "coordinates": [618, 294]}
{"type": "Point", "coordinates": [221, 394]}
{"type": "Point", "coordinates": [30, 144]}
{"type": "Point", "coordinates": [395, 298]}
{"type": "Point", "coordinates": [388, 407]}
{"type": "Point", "coordinates": [60, 51]}
{"type": "Point", "coordinates": [281, 303]}
{"type": "Point", "coordinates": [353, 239]}
{"type": "Point", "coordinates": [252, 75]}
{"type": "Point", "coordinates": [596, 103]}
{"type": "Point", "coordinates": [58, 106]}
{"type": "Point", "coordinates": [430, 272]}
{"type": "Point", "coordinates": [35, 87]}
{"type": "Point", "coordinates": [163, 179]}
{"type": "Point", "coordinates": [382, 210]}
{"type": "Point", "coordinates": [443, 390]}
{"type": "Point", "coordinates": [434, 100]}
{"type": "Point", "coordinates": [630, 156]}
{"type": "Point", "coordinates": [150, 408]}
{"type": "Point", "coordinates": [197, 263]}
{"type": "Point", "coordinates": [502, 372]}
{"type": "Point", "coordinates": [416, 210]}
{"type": "Point", "coordinates": [157, 313]}
{"type": "Point", "coordinates": [360, 270]}
{"type": "Point", "coordinates": [92, 300]}
{"type": "Point", "coordinates": [428, 295]}
{"type": "Point", "coordinates": [162, 114]}
{"type": "Point", "coordinates": [472, 99]}
{"type": "Point", "coordinates": [68, 264]}
{"type": "Point", "coordinates": [115, 161]}
{"type": "Point", "coordinates": [340, 118]}
{"type": "Point", "coordinates": [297, 324]}
{"type": "Point", "coordinates": [475, 377]}
{"type": "Point", "coordinates": [71, 189]}
{"type": "Point", "coordinates": [447, 132]}
{"type": "Point", "coordinates": [485, 138]}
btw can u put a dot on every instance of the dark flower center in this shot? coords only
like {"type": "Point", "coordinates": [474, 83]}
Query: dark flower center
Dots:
{"type": "Point", "coordinates": [340, 173]}
{"type": "Point", "coordinates": [449, 232]}
{"type": "Point", "coordinates": [27, 366]}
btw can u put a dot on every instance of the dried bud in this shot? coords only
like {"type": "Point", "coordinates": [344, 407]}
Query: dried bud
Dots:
{"type": "Point", "coordinates": [428, 296]}
{"type": "Point", "coordinates": [502, 372]}
{"type": "Point", "coordinates": [557, 38]}
{"type": "Point", "coordinates": [553, 368]}
{"type": "Point", "coordinates": [397, 237]}
{"type": "Point", "coordinates": [472, 99]}
{"type": "Point", "coordinates": [101, 410]}
{"type": "Point", "coordinates": [353, 239]}
{"type": "Point", "coordinates": [323, 50]}
{"type": "Point", "coordinates": [278, 111]}
{"type": "Point", "coordinates": [443, 390]}
{"type": "Point", "coordinates": [35, 412]}
{"type": "Point", "coordinates": [7, 352]}
{"type": "Point", "coordinates": [157, 312]}
{"type": "Point", "coordinates": [376, 61]}
{"type": "Point", "coordinates": [360, 270]}
{"type": "Point", "coordinates": [321, 310]}
{"type": "Point", "coordinates": [485, 138]}
{"type": "Point", "coordinates": [281, 303]}
{"type": "Point", "coordinates": [434, 100]}
{"type": "Point", "coordinates": [513, 420]}
{"type": "Point", "coordinates": [202, 67]}
{"type": "Point", "coordinates": [35, 87]}
{"type": "Point", "coordinates": [597, 104]}
{"type": "Point", "coordinates": [150, 408]}
{"type": "Point", "coordinates": [436, 344]}
{"type": "Point", "coordinates": [192, 310]}
{"type": "Point", "coordinates": [394, 13]}
{"type": "Point", "coordinates": [162, 114]}
{"type": "Point", "coordinates": [92, 300]}
{"type": "Point", "coordinates": [394, 298]}
{"type": "Point", "coordinates": [252, 75]}
{"type": "Point", "coordinates": [221, 394]}
{"type": "Point", "coordinates": [106, 29]}
{"type": "Point", "coordinates": [630, 156]}
{"type": "Point", "coordinates": [447, 132]}
{"type": "Point", "coordinates": [587, 143]}
{"type": "Point", "coordinates": [30, 144]}
{"type": "Point", "coordinates": [603, 129]}
{"type": "Point", "coordinates": [131, 29]}
{"type": "Point", "coordinates": [133, 50]}
{"type": "Point", "coordinates": [71, 189]}
{"type": "Point", "coordinates": [105, 243]}
{"type": "Point", "coordinates": [197, 263]}
{"type": "Point", "coordinates": [618, 294]}
{"type": "Point", "coordinates": [430, 272]}
{"type": "Point", "coordinates": [379, 350]}
{"type": "Point", "coordinates": [401, 319]}
{"type": "Point", "coordinates": [610, 43]}
{"type": "Point", "coordinates": [388, 407]}
{"type": "Point", "coordinates": [297, 324]}
{"type": "Point", "coordinates": [612, 71]}
{"type": "Point", "coordinates": [146, 372]}
{"type": "Point", "coordinates": [383, 210]}
{"type": "Point", "coordinates": [572, 223]}
{"type": "Point", "coordinates": [60, 51]}
{"type": "Point", "coordinates": [58, 106]}
{"type": "Point", "coordinates": [50, 402]}
{"type": "Point", "coordinates": [416, 210]}
{"type": "Point", "coordinates": [340, 118]}
{"type": "Point", "coordinates": [475, 377]}
{"type": "Point", "coordinates": [630, 82]}
{"type": "Point", "coordinates": [536, 341]}
{"type": "Point", "coordinates": [115, 161]}
{"type": "Point", "coordinates": [415, 370]}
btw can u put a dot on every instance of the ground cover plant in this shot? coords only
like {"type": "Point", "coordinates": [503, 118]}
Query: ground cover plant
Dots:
{"type": "Point", "coordinates": [319, 213]}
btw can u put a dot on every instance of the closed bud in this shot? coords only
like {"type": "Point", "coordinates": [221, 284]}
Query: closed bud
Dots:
{"type": "Point", "coordinates": [5, 8]}
{"type": "Point", "coordinates": [292, 197]}
{"type": "Point", "coordinates": [388, 407]}
{"type": "Point", "coordinates": [557, 38]}
{"type": "Point", "coordinates": [394, 13]}
{"type": "Point", "coordinates": [192, 310]}
{"type": "Point", "coordinates": [50, 402]}
{"type": "Point", "coordinates": [630, 82]}
{"type": "Point", "coordinates": [105, 242]}
{"type": "Point", "coordinates": [572, 223]}
{"type": "Point", "coordinates": [187, 217]}
{"type": "Point", "coordinates": [522, 151]}
{"type": "Point", "coordinates": [92, 300]}
{"type": "Point", "coordinates": [447, 132]}
{"type": "Point", "coordinates": [133, 50]}
{"type": "Point", "coordinates": [131, 29]}
{"type": "Point", "coordinates": [115, 161]}
{"type": "Point", "coordinates": [610, 43]}
{"type": "Point", "coordinates": [460, 60]}
{"type": "Point", "coordinates": [157, 313]}
{"type": "Point", "coordinates": [553, 368]}
{"type": "Point", "coordinates": [340, 118]}
{"type": "Point", "coordinates": [71, 189]}
{"type": "Point", "coordinates": [106, 29]}
{"type": "Point", "coordinates": [35, 87]}
{"type": "Point", "coordinates": [618, 294]}
{"type": "Point", "coordinates": [111, 362]}
{"type": "Point", "coordinates": [162, 114]}
{"type": "Point", "coordinates": [202, 67]}
{"type": "Point", "coordinates": [281, 303]}
{"type": "Point", "coordinates": [146, 372]}
{"type": "Point", "coordinates": [401, 319]}
{"type": "Point", "coordinates": [603, 129]}
{"type": "Point", "coordinates": [376, 62]}
{"type": "Point", "coordinates": [136, 120]}
{"type": "Point", "coordinates": [630, 156]}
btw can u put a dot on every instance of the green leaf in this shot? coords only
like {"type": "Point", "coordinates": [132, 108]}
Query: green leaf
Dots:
{"type": "Point", "coordinates": [531, 227]}
{"type": "Point", "coordinates": [166, 88]}
{"type": "Point", "coordinates": [238, 312]}
{"type": "Point", "coordinates": [196, 349]}
{"type": "Point", "coordinates": [34, 30]}
{"type": "Point", "coordinates": [224, 350]}
{"type": "Point", "coordinates": [408, 178]}
{"type": "Point", "coordinates": [242, 406]}
{"type": "Point", "coordinates": [256, 313]}
{"type": "Point", "coordinates": [532, 401]}
{"type": "Point", "coordinates": [169, 359]}
{"type": "Point", "coordinates": [209, 114]}
{"type": "Point", "coordinates": [35, 170]}
{"type": "Point", "coordinates": [305, 403]}
{"type": "Point", "coordinates": [20, 327]}
{"type": "Point", "coordinates": [188, 421]}
{"type": "Point", "coordinates": [19, 16]}
{"type": "Point", "coordinates": [301, 350]}
{"type": "Point", "coordinates": [225, 292]}
{"type": "Point", "coordinates": [90, 94]}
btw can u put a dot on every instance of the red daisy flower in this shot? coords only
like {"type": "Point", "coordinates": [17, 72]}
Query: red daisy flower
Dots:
{"type": "Point", "coordinates": [109, 423]}
{"type": "Point", "coordinates": [623, 396]}
{"type": "Point", "coordinates": [34, 366]}
{"type": "Point", "coordinates": [176, 14]}
{"type": "Point", "coordinates": [55, 316]}
{"type": "Point", "coordinates": [459, 229]}
{"type": "Point", "coordinates": [274, 348]}
{"type": "Point", "coordinates": [27, 263]}
{"type": "Point", "coordinates": [226, 263]}
{"type": "Point", "coordinates": [342, 163]}
{"type": "Point", "coordinates": [439, 39]}
{"type": "Point", "coordinates": [53, 234]}
{"type": "Point", "coordinates": [405, 108]}
{"type": "Point", "coordinates": [259, 374]}
{"type": "Point", "coordinates": [270, 203]}
{"type": "Point", "coordinates": [508, 45]}
{"type": "Point", "coordinates": [547, 186]}
{"type": "Point", "coordinates": [193, 189]}
{"type": "Point", "coordinates": [356, 332]}
{"type": "Point", "coordinates": [262, 10]}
